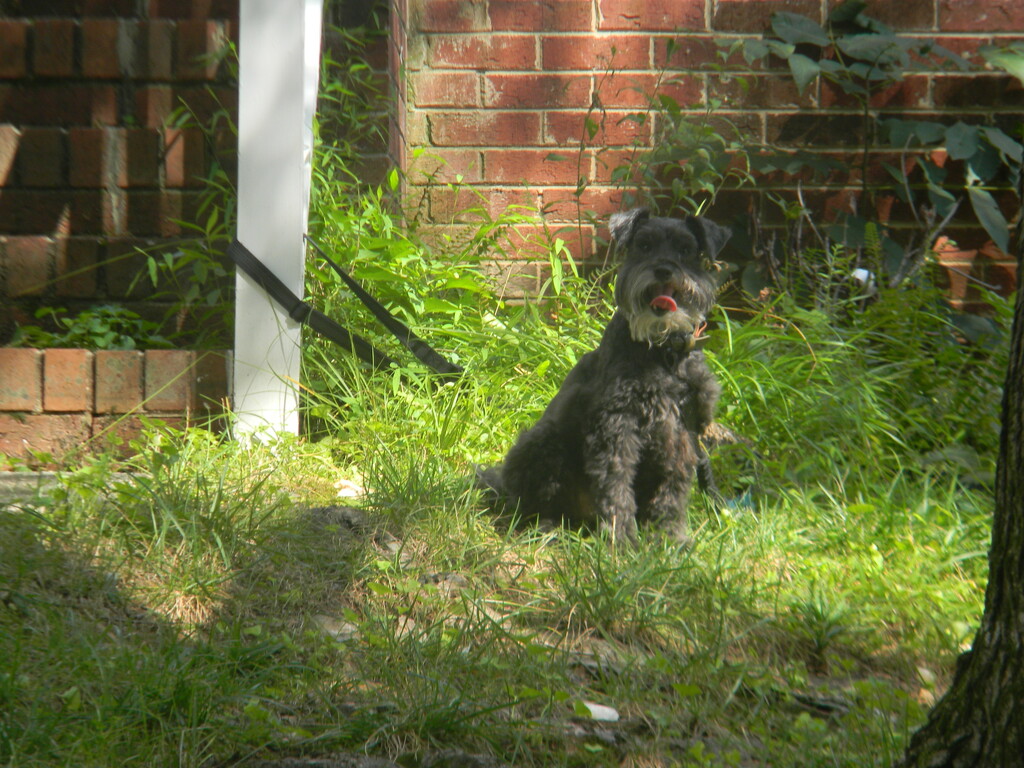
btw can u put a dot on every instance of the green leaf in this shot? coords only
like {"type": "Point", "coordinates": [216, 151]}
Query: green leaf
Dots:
{"type": "Point", "coordinates": [929, 132]}
{"type": "Point", "coordinates": [72, 698]}
{"type": "Point", "coordinates": [379, 589]}
{"type": "Point", "coordinates": [941, 199]}
{"type": "Point", "coordinates": [984, 164]}
{"type": "Point", "coordinates": [754, 49]}
{"type": "Point", "coordinates": [879, 50]}
{"type": "Point", "coordinates": [846, 12]}
{"type": "Point", "coordinates": [782, 50]}
{"type": "Point", "coordinates": [804, 70]}
{"type": "Point", "coordinates": [1009, 59]}
{"type": "Point", "coordinates": [991, 218]}
{"type": "Point", "coordinates": [962, 141]}
{"type": "Point", "coordinates": [1007, 147]}
{"type": "Point", "coordinates": [794, 28]}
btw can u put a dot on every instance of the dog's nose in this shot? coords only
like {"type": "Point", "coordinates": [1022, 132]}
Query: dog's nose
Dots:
{"type": "Point", "coordinates": [662, 275]}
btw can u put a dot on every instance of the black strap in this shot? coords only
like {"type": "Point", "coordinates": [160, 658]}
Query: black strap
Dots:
{"type": "Point", "coordinates": [423, 351]}
{"type": "Point", "coordinates": [302, 312]}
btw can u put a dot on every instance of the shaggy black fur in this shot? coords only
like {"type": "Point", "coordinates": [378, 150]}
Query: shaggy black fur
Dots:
{"type": "Point", "coordinates": [619, 442]}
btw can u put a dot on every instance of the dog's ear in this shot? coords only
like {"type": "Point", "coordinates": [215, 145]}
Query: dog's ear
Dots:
{"type": "Point", "coordinates": [710, 236]}
{"type": "Point", "coordinates": [623, 225]}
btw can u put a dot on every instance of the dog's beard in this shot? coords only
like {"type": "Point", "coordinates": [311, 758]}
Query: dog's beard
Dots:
{"type": "Point", "coordinates": [653, 326]}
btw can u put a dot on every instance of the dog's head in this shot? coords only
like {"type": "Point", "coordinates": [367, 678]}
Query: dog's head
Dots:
{"type": "Point", "coordinates": [666, 285]}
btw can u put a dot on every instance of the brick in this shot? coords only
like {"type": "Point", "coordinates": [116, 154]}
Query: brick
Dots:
{"type": "Point", "coordinates": [67, 380]}
{"type": "Point", "coordinates": [96, 157]}
{"type": "Point", "coordinates": [97, 212]}
{"type": "Point", "coordinates": [482, 52]}
{"type": "Point", "coordinates": [103, 109]}
{"type": "Point", "coordinates": [463, 204]}
{"type": "Point", "coordinates": [30, 211]}
{"type": "Point", "coordinates": [564, 15]}
{"type": "Point", "coordinates": [814, 128]}
{"type": "Point", "coordinates": [155, 42]}
{"type": "Point", "coordinates": [660, 15]}
{"type": "Point", "coordinates": [1003, 275]}
{"type": "Point", "coordinates": [207, 101]}
{"type": "Point", "coordinates": [118, 380]}
{"type": "Point", "coordinates": [452, 16]}
{"type": "Point", "coordinates": [41, 157]}
{"type": "Point", "coordinates": [613, 128]}
{"type": "Point", "coordinates": [13, 48]}
{"type": "Point", "coordinates": [100, 39]}
{"type": "Point", "coordinates": [76, 263]}
{"type": "Point", "coordinates": [105, 7]}
{"type": "Point", "coordinates": [153, 104]}
{"type": "Point", "coordinates": [444, 166]}
{"type": "Point", "coordinates": [198, 43]}
{"type": "Point", "coordinates": [142, 157]}
{"type": "Point", "coordinates": [118, 435]}
{"type": "Point", "coordinates": [210, 391]}
{"type": "Point", "coordinates": [59, 103]}
{"type": "Point", "coordinates": [684, 52]}
{"type": "Point", "coordinates": [168, 380]}
{"type": "Point", "coordinates": [536, 90]}
{"type": "Point", "coordinates": [195, 9]}
{"type": "Point", "coordinates": [761, 92]}
{"type": "Point", "coordinates": [906, 15]}
{"type": "Point", "coordinates": [154, 213]}
{"type": "Point", "coordinates": [21, 379]}
{"type": "Point", "coordinates": [59, 435]}
{"type": "Point", "coordinates": [184, 157]}
{"type": "Point", "coordinates": [974, 16]}
{"type": "Point", "coordinates": [755, 15]}
{"type": "Point", "coordinates": [912, 92]}
{"type": "Point", "coordinates": [531, 166]}
{"type": "Point", "coordinates": [445, 89]}
{"type": "Point", "coordinates": [983, 92]}
{"type": "Point", "coordinates": [28, 264]}
{"type": "Point", "coordinates": [486, 127]}
{"type": "Point", "coordinates": [608, 166]}
{"type": "Point", "coordinates": [10, 141]}
{"type": "Point", "coordinates": [601, 53]}
{"type": "Point", "coordinates": [636, 90]}
{"type": "Point", "coordinates": [123, 266]}
{"type": "Point", "coordinates": [967, 45]}
{"type": "Point", "coordinates": [562, 204]}
{"type": "Point", "coordinates": [53, 53]}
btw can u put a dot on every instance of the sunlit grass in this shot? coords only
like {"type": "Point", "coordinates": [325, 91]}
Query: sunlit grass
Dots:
{"type": "Point", "coordinates": [205, 601]}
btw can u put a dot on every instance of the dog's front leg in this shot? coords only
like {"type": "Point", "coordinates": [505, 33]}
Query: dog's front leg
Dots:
{"type": "Point", "coordinates": [611, 456]}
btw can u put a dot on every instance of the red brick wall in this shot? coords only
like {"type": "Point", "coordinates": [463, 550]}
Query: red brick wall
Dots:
{"type": "Point", "coordinates": [496, 89]}
{"type": "Point", "coordinates": [65, 401]}
{"type": "Point", "coordinates": [89, 167]}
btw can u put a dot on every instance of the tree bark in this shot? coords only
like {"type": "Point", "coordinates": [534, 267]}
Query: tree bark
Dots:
{"type": "Point", "coordinates": [980, 720]}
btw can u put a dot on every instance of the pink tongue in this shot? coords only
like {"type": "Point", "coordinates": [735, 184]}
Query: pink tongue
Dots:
{"type": "Point", "coordinates": [666, 303]}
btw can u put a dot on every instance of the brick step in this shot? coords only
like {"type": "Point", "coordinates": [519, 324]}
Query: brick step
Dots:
{"type": "Point", "coordinates": [55, 400]}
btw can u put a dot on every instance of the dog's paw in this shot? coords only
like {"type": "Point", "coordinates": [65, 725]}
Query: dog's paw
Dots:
{"type": "Point", "coordinates": [620, 529]}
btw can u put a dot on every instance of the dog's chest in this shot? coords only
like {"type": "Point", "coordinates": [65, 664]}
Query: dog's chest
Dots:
{"type": "Point", "coordinates": [655, 402]}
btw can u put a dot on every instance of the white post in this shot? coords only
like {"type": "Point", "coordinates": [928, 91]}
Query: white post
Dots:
{"type": "Point", "coordinates": [279, 53]}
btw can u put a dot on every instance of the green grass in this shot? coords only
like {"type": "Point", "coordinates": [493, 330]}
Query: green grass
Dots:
{"type": "Point", "coordinates": [195, 611]}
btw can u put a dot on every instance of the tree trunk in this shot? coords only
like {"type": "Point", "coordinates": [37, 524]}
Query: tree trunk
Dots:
{"type": "Point", "coordinates": [980, 720]}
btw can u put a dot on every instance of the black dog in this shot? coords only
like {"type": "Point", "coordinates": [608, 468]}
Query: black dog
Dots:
{"type": "Point", "coordinates": [619, 443]}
